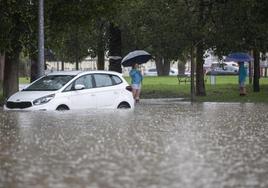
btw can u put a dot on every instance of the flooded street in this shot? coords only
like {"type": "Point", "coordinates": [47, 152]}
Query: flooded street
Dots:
{"type": "Point", "coordinates": [159, 144]}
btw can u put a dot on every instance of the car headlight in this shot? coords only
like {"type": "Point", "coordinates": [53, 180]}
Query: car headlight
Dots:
{"type": "Point", "coordinates": [43, 100]}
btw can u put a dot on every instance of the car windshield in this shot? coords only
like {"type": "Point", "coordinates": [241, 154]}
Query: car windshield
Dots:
{"type": "Point", "coordinates": [50, 83]}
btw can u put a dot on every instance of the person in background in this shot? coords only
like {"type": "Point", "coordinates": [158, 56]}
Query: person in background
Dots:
{"type": "Point", "coordinates": [242, 78]}
{"type": "Point", "coordinates": [136, 80]}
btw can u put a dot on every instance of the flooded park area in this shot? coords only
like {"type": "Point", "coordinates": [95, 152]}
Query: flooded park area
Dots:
{"type": "Point", "coordinates": [161, 143]}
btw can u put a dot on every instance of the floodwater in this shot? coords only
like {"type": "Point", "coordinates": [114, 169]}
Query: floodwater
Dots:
{"type": "Point", "coordinates": [159, 144]}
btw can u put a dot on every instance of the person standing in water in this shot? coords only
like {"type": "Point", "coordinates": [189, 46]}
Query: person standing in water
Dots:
{"type": "Point", "coordinates": [136, 80]}
{"type": "Point", "coordinates": [242, 78]}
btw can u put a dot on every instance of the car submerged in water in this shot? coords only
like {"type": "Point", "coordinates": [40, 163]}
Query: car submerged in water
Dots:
{"type": "Point", "coordinates": [74, 90]}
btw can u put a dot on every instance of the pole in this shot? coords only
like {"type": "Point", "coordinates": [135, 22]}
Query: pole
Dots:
{"type": "Point", "coordinates": [192, 74]}
{"type": "Point", "coordinates": [41, 56]}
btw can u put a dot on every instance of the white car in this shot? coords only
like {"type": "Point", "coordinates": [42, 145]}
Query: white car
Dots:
{"type": "Point", "coordinates": [153, 72]}
{"type": "Point", "coordinates": [74, 90]}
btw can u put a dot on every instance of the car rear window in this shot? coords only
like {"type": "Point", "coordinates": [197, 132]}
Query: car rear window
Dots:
{"type": "Point", "coordinates": [103, 80]}
{"type": "Point", "coordinates": [116, 79]}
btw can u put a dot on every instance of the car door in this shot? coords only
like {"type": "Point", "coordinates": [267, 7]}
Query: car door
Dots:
{"type": "Point", "coordinates": [106, 92]}
{"type": "Point", "coordinates": [83, 98]}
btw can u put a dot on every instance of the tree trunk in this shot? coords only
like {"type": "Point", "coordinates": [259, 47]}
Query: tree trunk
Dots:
{"type": "Point", "coordinates": [256, 76]}
{"type": "Point", "coordinates": [162, 66]}
{"type": "Point", "coordinates": [192, 74]}
{"type": "Point", "coordinates": [100, 54]}
{"type": "Point", "coordinates": [115, 45]}
{"type": "Point", "coordinates": [101, 45]}
{"type": "Point", "coordinates": [181, 68]}
{"type": "Point", "coordinates": [158, 63]}
{"type": "Point", "coordinates": [250, 73]}
{"type": "Point", "coordinates": [2, 66]}
{"type": "Point", "coordinates": [34, 65]}
{"type": "Point", "coordinates": [62, 65]}
{"type": "Point", "coordinates": [200, 84]}
{"type": "Point", "coordinates": [11, 74]}
{"type": "Point", "coordinates": [77, 47]}
{"type": "Point", "coordinates": [100, 61]}
{"type": "Point", "coordinates": [76, 64]}
{"type": "Point", "coordinates": [166, 66]}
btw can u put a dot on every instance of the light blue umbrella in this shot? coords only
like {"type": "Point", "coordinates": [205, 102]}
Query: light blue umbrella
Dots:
{"type": "Point", "coordinates": [239, 57]}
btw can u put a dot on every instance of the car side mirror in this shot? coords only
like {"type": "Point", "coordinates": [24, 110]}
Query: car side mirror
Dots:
{"type": "Point", "coordinates": [79, 87]}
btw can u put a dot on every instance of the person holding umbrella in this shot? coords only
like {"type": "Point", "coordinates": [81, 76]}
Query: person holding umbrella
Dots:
{"type": "Point", "coordinates": [242, 78]}
{"type": "Point", "coordinates": [134, 59]}
{"type": "Point", "coordinates": [241, 58]}
{"type": "Point", "coordinates": [136, 80]}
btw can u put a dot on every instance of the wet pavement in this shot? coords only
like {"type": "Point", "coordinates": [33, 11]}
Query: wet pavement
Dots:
{"type": "Point", "coordinates": [162, 143]}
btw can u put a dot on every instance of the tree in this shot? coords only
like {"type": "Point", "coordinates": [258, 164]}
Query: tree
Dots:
{"type": "Point", "coordinates": [241, 26]}
{"type": "Point", "coordinates": [77, 29]}
{"type": "Point", "coordinates": [14, 28]}
{"type": "Point", "coordinates": [153, 25]}
{"type": "Point", "coordinates": [2, 65]}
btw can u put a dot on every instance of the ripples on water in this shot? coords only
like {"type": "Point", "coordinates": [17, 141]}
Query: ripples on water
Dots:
{"type": "Point", "coordinates": [159, 144]}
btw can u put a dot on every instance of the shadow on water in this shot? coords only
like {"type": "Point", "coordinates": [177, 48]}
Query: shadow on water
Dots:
{"type": "Point", "coordinates": [159, 144]}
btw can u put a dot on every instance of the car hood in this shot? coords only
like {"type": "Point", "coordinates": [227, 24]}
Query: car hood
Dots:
{"type": "Point", "coordinates": [29, 95]}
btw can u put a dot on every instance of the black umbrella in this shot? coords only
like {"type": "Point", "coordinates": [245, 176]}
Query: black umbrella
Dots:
{"type": "Point", "coordinates": [137, 56]}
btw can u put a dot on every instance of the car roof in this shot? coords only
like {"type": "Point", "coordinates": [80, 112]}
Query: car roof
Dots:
{"type": "Point", "coordinates": [75, 73]}
{"type": "Point", "coordinates": [64, 73]}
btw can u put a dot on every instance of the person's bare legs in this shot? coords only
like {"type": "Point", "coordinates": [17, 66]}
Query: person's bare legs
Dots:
{"type": "Point", "coordinates": [242, 89]}
{"type": "Point", "coordinates": [137, 97]}
{"type": "Point", "coordinates": [134, 93]}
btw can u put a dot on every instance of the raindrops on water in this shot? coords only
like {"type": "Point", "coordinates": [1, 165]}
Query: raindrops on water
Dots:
{"type": "Point", "coordinates": [159, 144]}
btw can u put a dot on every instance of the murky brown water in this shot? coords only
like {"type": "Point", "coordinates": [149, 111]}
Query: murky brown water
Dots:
{"type": "Point", "coordinates": [159, 144]}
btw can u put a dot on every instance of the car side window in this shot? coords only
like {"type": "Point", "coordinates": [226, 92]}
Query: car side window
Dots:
{"type": "Point", "coordinates": [85, 80]}
{"type": "Point", "coordinates": [68, 88]}
{"type": "Point", "coordinates": [116, 79]}
{"type": "Point", "coordinates": [103, 80]}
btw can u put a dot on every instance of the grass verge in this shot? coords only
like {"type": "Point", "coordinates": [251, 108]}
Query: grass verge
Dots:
{"type": "Point", "coordinates": [225, 89]}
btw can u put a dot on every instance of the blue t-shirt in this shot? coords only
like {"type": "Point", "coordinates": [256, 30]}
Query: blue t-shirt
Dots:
{"type": "Point", "coordinates": [242, 72]}
{"type": "Point", "coordinates": [136, 76]}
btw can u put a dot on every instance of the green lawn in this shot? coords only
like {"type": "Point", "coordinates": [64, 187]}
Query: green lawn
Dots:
{"type": "Point", "coordinates": [24, 80]}
{"type": "Point", "coordinates": [225, 89]}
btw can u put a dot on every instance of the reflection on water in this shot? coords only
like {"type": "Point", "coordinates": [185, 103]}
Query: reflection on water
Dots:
{"type": "Point", "coordinates": [159, 144]}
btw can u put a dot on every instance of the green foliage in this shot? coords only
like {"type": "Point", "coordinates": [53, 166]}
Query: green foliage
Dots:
{"type": "Point", "coordinates": [239, 26]}
{"type": "Point", "coordinates": [166, 28]}
{"type": "Point", "coordinates": [15, 24]}
{"type": "Point", "coordinates": [153, 25]}
{"type": "Point", "coordinates": [74, 28]}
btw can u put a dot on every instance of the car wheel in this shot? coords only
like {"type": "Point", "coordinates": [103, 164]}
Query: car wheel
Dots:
{"type": "Point", "coordinates": [62, 108]}
{"type": "Point", "coordinates": [123, 105]}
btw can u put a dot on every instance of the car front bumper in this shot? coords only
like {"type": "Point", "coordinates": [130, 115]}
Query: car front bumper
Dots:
{"type": "Point", "coordinates": [43, 107]}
